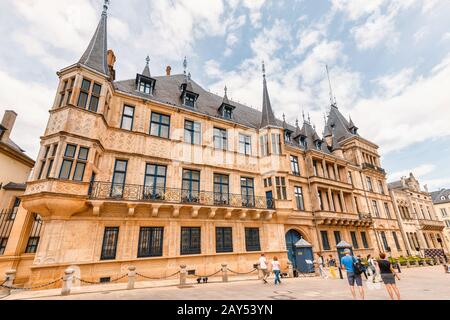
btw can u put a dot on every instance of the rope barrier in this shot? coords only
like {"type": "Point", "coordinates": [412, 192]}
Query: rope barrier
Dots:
{"type": "Point", "coordinates": [30, 288]}
{"type": "Point", "coordinates": [98, 282]}
{"type": "Point", "coordinates": [163, 278]}
{"type": "Point", "coordinates": [208, 276]}
{"type": "Point", "coordinates": [242, 273]}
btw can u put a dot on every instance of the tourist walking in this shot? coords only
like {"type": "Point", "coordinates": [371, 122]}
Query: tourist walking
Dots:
{"type": "Point", "coordinates": [359, 260]}
{"type": "Point", "coordinates": [276, 270]}
{"type": "Point", "coordinates": [350, 265]}
{"type": "Point", "coordinates": [388, 276]}
{"type": "Point", "coordinates": [332, 266]}
{"type": "Point", "coordinates": [321, 265]}
{"type": "Point", "coordinates": [372, 270]}
{"type": "Point", "coordinates": [263, 267]}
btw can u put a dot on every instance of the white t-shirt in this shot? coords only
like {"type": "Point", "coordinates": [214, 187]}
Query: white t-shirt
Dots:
{"type": "Point", "coordinates": [275, 265]}
{"type": "Point", "coordinates": [262, 263]}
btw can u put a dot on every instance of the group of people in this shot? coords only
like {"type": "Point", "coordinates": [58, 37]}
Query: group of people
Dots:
{"type": "Point", "coordinates": [276, 269]}
{"type": "Point", "coordinates": [354, 269]}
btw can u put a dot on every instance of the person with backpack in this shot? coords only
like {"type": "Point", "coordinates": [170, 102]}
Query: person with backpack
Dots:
{"type": "Point", "coordinates": [372, 267]}
{"type": "Point", "coordinates": [354, 270]}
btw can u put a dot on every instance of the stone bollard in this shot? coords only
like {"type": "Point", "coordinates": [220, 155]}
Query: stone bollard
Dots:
{"type": "Point", "coordinates": [436, 260]}
{"type": "Point", "coordinates": [224, 272]}
{"type": "Point", "coordinates": [290, 270]}
{"type": "Point", "coordinates": [408, 265]}
{"type": "Point", "coordinates": [67, 282]}
{"type": "Point", "coordinates": [183, 275]}
{"type": "Point", "coordinates": [10, 276]}
{"type": "Point", "coordinates": [131, 277]}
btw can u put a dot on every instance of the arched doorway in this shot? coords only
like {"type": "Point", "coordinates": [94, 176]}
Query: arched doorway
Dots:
{"type": "Point", "coordinates": [292, 237]}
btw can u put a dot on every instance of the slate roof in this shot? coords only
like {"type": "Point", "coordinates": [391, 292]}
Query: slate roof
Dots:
{"type": "Point", "coordinates": [437, 195]}
{"type": "Point", "coordinates": [167, 90]}
{"type": "Point", "coordinates": [95, 56]}
{"type": "Point", "coordinates": [395, 185]}
{"type": "Point", "coordinates": [268, 118]}
{"type": "Point", "coordinates": [339, 125]}
{"type": "Point", "coordinates": [15, 186]}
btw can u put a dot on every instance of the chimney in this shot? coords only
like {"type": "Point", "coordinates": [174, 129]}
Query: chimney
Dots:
{"type": "Point", "coordinates": [111, 58]}
{"type": "Point", "coordinates": [168, 70]}
{"type": "Point", "coordinates": [9, 118]}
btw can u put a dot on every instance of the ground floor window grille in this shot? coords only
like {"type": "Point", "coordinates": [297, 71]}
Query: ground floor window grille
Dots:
{"type": "Point", "coordinates": [151, 242]}
{"type": "Point", "coordinates": [35, 234]}
{"type": "Point", "coordinates": [252, 242]}
{"type": "Point", "coordinates": [190, 241]}
{"type": "Point", "coordinates": [109, 247]}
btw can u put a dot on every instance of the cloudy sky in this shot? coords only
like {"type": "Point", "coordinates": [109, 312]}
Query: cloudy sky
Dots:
{"type": "Point", "coordinates": [389, 62]}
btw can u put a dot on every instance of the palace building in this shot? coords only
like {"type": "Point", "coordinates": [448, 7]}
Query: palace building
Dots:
{"type": "Point", "coordinates": [441, 203]}
{"type": "Point", "coordinates": [157, 172]}
{"type": "Point", "coordinates": [418, 220]}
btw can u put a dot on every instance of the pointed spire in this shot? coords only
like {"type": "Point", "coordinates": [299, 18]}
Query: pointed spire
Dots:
{"type": "Point", "coordinates": [146, 71]}
{"type": "Point", "coordinates": [95, 56]}
{"type": "Point", "coordinates": [185, 64]}
{"type": "Point", "coordinates": [268, 117]}
{"type": "Point", "coordinates": [303, 115]}
{"type": "Point", "coordinates": [333, 101]}
{"type": "Point", "coordinates": [225, 96]}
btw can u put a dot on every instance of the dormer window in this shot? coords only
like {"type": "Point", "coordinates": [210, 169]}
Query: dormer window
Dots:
{"type": "Point", "coordinates": [318, 144]}
{"type": "Point", "coordinates": [145, 84]}
{"type": "Point", "coordinates": [227, 112]}
{"type": "Point", "coordinates": [303, 142]}
{"type": "Point", "coordinates": [145, 87]}
{"type": "Point", "coordinates": [189, 99]}
{"type": "Point", "coordinates": [287, 136]}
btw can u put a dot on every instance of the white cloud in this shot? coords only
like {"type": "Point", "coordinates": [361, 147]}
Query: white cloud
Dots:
{"type": "Point", "coordinates": [418, 172]}
{"type": "Point", "coordinates": [31, 101]}
{"type": "Point", "coordinates": [377, 29]}
{"type": "Point", "coordinates": [392, 84]}
{"type": "Point", "coordinates": [357, 9]}
{"type": "Point", "coordinates": [416, 114]}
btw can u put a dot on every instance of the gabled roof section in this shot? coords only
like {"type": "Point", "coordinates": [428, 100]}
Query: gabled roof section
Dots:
{"type": "Point", "coordinates": [95, 56]}
{"type": "Point", "coordinates": [268, 118]}
{"type": "Point", "coordinates": [339, 126]}
{"type": "Point", "coordinates": [441, 196]}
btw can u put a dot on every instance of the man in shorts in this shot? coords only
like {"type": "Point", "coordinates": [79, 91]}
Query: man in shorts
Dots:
{"type": "Point", "coordinates": [263, 267]}
{"type": "Point", "coordinates": [347, 265]}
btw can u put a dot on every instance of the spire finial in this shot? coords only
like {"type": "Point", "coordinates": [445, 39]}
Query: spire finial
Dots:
{"type": "Point", "coordinates": [309, 118]}
{"type": "Point", "coordinates": [303, 115]}
{"type": "Point", "coordinates": [185, 64]}
{"type": "Point", "coordinates": [296, 122]}
{"type": "Point", "coordinates": [147, 60]}
{"type": "Point", "coordinates": [284, 117]}
{"type": "Point", "coordinates": [332, 97]}
{"type": "Point", "coordinates": [105, 6]}
{"type": "Point", "coordinates": [264, 69]}
{"type": "Point", "coordinates": [189, 76]}
{"type": "Point", "coordinates": [225, 90]}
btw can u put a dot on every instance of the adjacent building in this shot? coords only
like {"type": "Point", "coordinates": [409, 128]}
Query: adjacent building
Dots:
{"type": "Point", "coordinates": [17, 241]}
{"type": "Point", "coordinates": [421, 226]}
{"type": "Point", "coordinates": [441, 202]}
{"type": "Point", "coordinates": [156, 172]}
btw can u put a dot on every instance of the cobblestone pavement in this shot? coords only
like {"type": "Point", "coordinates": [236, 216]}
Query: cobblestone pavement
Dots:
{"type": "Point", "coordinates": [427, 283]}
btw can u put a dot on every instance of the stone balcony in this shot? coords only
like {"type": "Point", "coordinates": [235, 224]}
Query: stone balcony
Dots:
{"type": "Point", "coordinates": [432, 225]}
{"type": "Point", "coordinates": [133, 196]}
{"type": "Point", "coordinates": [369, 166]}
{"type": "Point", "coordinates": [343, 219]}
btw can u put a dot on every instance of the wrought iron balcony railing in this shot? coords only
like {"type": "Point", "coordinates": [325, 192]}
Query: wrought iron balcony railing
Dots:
{"type": "Point", "coordinates": [132, 192]}
{"type": "Point", "coordinates": [373, 167]}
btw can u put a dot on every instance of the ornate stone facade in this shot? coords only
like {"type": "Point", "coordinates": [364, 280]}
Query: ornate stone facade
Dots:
{"type": "Point", "coordinates": [234, 182]}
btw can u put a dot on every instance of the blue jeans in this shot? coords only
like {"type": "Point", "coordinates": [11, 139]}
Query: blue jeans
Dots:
{"type": "Point", "coordinates": [277, 276]}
